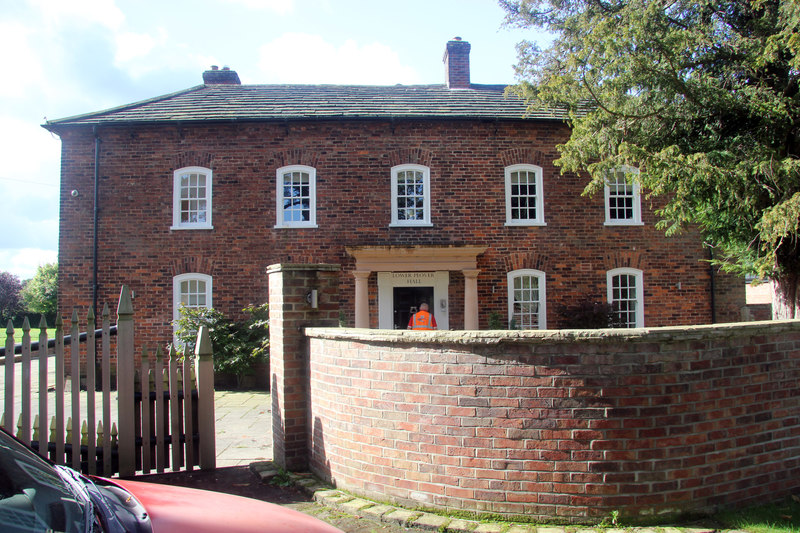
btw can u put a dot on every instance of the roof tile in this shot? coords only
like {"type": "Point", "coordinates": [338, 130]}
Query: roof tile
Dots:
{"type": "Point", "coordinates": [295, 102]}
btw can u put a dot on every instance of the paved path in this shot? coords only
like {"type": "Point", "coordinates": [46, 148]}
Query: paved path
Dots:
{"type": "Point", "coordinates": [243, 426]}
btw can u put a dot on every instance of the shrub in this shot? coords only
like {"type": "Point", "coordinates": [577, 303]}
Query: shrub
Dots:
{"type": "Point", "coordinates": [237, 346]}
{"type": "Point", "coordinates": [496, 321]}
{"type": "Point", "coordinates": [587, 314]}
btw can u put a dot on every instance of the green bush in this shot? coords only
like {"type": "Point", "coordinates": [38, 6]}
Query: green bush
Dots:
{"type": "Point", "coordinates": [237, 346]}
{"type": "Point", "coordinates": [587, 314]}
{"type": "Point", "coordinates": [496, 321]}
{"type": "Point", "coordinates": [40, 294]}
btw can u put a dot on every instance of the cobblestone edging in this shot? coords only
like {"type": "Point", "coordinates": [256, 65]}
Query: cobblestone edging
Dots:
{"type": "Point", "coordinates": [353, 505]}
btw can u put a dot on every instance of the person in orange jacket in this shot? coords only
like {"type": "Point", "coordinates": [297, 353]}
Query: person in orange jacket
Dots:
{"type": "Point", "coordinates": [422, 319]}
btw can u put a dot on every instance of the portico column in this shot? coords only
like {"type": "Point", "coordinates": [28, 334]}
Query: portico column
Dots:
{"type": "Point", "coordinates": [470, 299]}
{"type": "Point", "coordinates": [362, 298]}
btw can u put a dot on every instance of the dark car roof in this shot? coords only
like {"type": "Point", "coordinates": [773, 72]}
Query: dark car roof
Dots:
{"type": "Point", "coordinates": [222, 102]}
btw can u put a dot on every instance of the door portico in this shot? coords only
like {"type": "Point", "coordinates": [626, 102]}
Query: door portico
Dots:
{"type": "Point", "coordinates": [389, 282]}
{"type": "Point", "coordinates": [434, 262]}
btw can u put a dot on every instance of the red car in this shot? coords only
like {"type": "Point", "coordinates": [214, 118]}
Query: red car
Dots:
{"type": "Point", "coordinates": [36, 495]}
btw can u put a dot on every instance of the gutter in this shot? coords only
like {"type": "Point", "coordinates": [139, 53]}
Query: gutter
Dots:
{"type": "Point", "coordinates": [712, 282]}
{"type": "Point", "coordinates": [95, 214]}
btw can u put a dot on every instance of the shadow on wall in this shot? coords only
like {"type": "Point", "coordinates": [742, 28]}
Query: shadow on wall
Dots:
{"type": "Point", "coordinates": [320, 464]}
{"type": "Point", "coordinates": [277, 421]}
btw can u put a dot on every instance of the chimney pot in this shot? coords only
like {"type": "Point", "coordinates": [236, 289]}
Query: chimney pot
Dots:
{"type": "Point", "coordinates": [456, 64]}
{"type": "Point", "coordinates": [225, 76]}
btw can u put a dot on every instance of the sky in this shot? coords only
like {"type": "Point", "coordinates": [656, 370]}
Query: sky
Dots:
{"type": "Point", "coordinates": [68, 57]}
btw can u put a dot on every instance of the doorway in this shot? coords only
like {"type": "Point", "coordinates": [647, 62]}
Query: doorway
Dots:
{"type": "Point", "coordinates": [406, 303]}
{"type": "Point", "coordinates": [388, 307]}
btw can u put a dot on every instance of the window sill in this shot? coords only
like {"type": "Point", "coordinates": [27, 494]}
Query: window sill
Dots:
{"type": "Point", "coordinates": [295, 226]}
{"type": "Point", "coordinates": [183, 228]}
{"type": "Point", "coordinates": [623, 223]}
{"type": "Point", "coordinates": [420, 225]}
{"type": "Point", "coordinates": [527, 223]}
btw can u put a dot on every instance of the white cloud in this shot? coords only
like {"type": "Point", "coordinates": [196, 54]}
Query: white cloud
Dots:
{"type": "Point", "coordinates": [132, 46]}
{"type": "Point", "coordinates": [80, 12]}
{"type": "Point", "coordinates": [305, 58]}
{"type": "Point", "coordinates": [139, 54]}
{"type": "Point", "coordinates": [29, 188]}
{"type": "Point", "coordinates": [28, 151]}
{"type": "Point", "coordinates": [23, 262]}
{"type": "Point", "coordinates": [24, 62]}
{"type": "Point", "coordinates": [278, 6]}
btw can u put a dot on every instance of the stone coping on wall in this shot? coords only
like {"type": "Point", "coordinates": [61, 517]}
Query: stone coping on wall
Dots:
{"type": "Point", "coordinates": [493, 337]}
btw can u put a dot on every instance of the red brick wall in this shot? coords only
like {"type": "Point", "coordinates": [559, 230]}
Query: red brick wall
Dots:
{"type": "Point", "coordinates": [353, 161]}
{"type": "Point", "coordinates": [559, 425]}
{"type": "Point", "coordinates": [289, 313]}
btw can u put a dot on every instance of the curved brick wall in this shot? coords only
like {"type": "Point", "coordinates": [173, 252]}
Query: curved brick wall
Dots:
{"type": "Point", "coordinates": [559, 424]}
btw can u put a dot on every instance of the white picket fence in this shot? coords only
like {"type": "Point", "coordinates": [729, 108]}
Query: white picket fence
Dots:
{"type": "Point", "coordinates": [161, 415]}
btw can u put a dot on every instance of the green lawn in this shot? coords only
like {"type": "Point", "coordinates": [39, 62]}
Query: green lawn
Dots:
{"type": "Point", "coordinates": [51, 333]}
{"type": "Point", "coordinates": [783, 517]}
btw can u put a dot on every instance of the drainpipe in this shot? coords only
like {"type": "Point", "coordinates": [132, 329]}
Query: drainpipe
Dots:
{"type": "Point", "coordinates": [95, 214]}
{"type": "Point", "coordinates": [712, 282]}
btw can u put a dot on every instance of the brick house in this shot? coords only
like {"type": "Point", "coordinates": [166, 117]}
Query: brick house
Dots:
{"type": "Point", "coordinates": [440, 193]}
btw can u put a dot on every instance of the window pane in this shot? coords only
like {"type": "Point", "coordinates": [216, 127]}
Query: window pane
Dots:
{"type": "Point", "coordinates": [522, 193]}
{"type": "Point", "coordinates": [194, 198]}
{"type": "Point", "coordinates": [193, 293]}
{"type": "Point", "coordinates": [525, 309]}
{"type": "Point", "coordinates": [624, 300]}
{"type": "Point", "coordinates": [410, 198]}
{"type": "Point", "coordinates": [296, 196]}
{"type": "Point", "coordinates": [620, 197]}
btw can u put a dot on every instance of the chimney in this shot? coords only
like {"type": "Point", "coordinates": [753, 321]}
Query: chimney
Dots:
{"type": "Point", "coordinates": [226, 76]}
{"type": "Point", "coordinates": [456, 64]}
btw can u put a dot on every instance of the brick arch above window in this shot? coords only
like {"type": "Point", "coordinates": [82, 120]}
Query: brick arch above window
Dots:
{"type": "Point", "coordinates": [193, 159]}
{"type": "Point", "coordinates": [189, 264]}
{"type": "Point", "coordinates": [297, 156]}
{"type": "Point", "coordinates": [526, 260]}
{"type": "Point", "coordinates": [624, 259]}
{"type": "Point", "coordinates": [412, 156]}
{"type": "Point", "coordinates": [517, 156]}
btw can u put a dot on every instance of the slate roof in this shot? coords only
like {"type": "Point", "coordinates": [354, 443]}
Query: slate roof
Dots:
{"type": "Point", "coordinates": [225, 103]}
